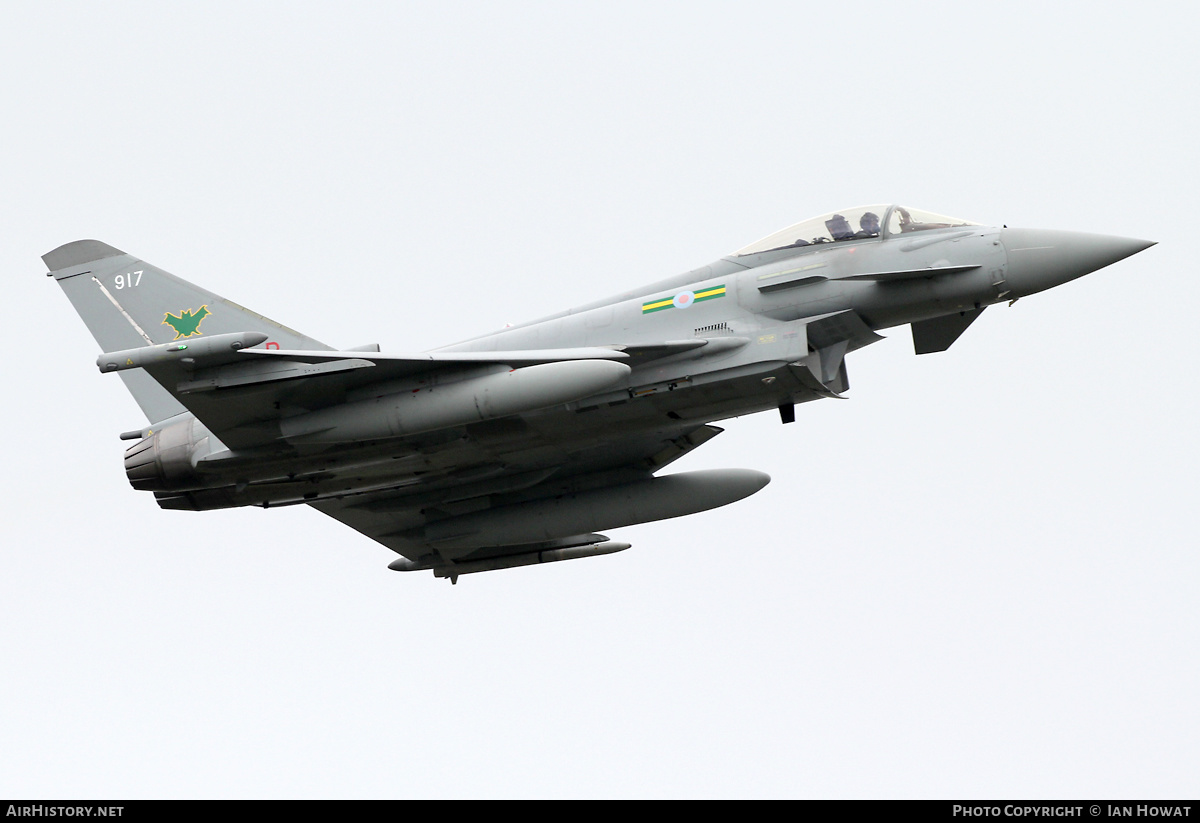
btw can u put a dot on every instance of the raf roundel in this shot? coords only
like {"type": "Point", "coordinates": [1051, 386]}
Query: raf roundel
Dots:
{"type": "Point", "coordinates": [684, 299]}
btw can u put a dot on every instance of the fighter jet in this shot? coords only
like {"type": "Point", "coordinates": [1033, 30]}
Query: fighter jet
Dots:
{"type": "Point", "coordinates": [519, 447]}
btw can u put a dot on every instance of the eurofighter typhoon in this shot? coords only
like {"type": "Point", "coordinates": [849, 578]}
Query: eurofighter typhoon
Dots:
{"type": "Point", "coordinates": [518, 447]}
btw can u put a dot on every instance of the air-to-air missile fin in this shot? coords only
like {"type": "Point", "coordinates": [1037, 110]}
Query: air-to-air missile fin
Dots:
{"type": "Point", "coordinates": [939, 333]}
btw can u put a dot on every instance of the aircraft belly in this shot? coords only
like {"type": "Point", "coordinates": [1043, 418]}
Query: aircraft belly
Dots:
{"type": "Point", "coordinates": [542, 440]}
{"type": "Point", "coordinates": [618, 428]}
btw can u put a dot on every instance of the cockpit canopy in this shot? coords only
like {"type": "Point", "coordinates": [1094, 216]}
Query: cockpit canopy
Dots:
{"type": "Point", "coordinates": [858, 223]}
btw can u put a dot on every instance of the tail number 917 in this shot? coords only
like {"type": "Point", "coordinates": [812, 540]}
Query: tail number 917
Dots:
{"type": "Point", "coordinates": [132, 279]}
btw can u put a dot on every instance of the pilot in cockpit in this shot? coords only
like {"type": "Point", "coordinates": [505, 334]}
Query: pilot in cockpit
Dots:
{"type": "Point", "coordinates": [868, 225]}
{"type": "Point", "coordinates": [839, 228]}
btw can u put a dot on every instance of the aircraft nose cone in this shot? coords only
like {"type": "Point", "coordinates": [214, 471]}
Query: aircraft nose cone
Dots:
{"type": "Point", "coordinates": [1040, 259]}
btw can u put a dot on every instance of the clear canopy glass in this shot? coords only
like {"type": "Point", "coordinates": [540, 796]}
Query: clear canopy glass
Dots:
{"type": "Point", "coordinates": [860, 223]}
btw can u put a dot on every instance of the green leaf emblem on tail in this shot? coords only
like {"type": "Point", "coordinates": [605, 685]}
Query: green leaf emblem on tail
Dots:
{"type": "Point", "coordinates": [186, 323]}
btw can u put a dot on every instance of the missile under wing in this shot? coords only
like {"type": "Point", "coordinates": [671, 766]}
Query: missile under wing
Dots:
{"type": "Point", "coordinates": [519, 447]}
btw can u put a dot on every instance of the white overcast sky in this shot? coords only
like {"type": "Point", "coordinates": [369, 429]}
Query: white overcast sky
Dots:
{"type": "Point", "coordinates": [977, 577]}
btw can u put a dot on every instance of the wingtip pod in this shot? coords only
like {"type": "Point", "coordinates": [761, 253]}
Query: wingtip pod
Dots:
{"type": "Point", "coordinates": [78, 252]}
{"type": "Point", "coordinates": [203, 351]}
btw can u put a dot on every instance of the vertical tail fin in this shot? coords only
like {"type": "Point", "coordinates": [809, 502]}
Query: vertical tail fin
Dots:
{"type": "Point", "coordinates": [127, 303]}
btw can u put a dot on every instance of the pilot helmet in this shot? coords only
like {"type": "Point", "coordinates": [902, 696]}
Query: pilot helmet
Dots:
{"type": "Point", "coordinates": [839, 227]}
